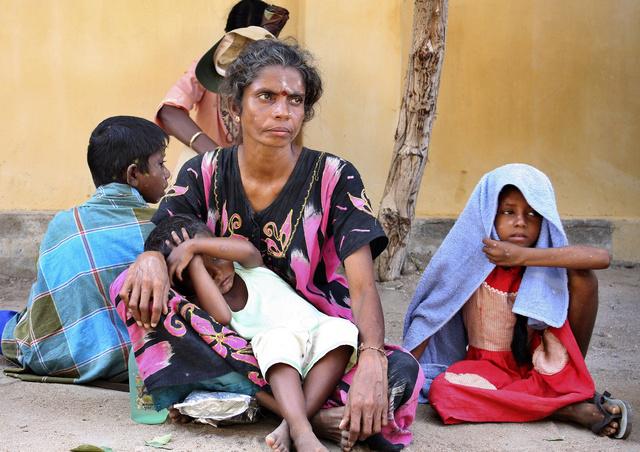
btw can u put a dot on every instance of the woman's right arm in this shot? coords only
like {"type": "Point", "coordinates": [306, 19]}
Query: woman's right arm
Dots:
{"type": "Point", "coordinates": [146, 289]}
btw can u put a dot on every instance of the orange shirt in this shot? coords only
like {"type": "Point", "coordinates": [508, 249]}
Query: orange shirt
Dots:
{"type": "Point", "coordinates": [188, 94]}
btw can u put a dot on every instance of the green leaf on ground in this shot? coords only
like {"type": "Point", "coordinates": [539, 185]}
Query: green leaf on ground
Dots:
{"type": "Point", "coordinates": [159, 442]}
{"type": "Point", "coordinates": [91, 448]}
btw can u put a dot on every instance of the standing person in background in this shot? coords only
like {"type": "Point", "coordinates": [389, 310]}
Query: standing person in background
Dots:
{"type": "Point", "coordinates": [209, 128]}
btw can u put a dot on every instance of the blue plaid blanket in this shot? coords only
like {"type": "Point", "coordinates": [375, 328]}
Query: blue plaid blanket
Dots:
{"type": "Point", "coordinates": [69, 330]}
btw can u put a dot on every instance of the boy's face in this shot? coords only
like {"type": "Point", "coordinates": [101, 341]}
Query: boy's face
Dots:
{"type": "Point", "coordinates": [222, 272]}
{"type": "Point", "coordinates": [516, 222]}
{"type": "Point", "coordinates": [155, 181]}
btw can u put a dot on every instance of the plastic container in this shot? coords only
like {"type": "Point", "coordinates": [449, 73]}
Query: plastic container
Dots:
{"type": "Point", "coordinates": [141, 402]}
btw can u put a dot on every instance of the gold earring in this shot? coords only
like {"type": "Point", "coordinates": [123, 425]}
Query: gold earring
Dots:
{"type": "Point", "coordinates": [237, 118]}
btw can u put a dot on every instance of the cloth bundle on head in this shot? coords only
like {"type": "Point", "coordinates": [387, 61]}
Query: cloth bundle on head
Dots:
{"type": "Point", "coordinates": [459, 267]}
{"type": "Point", "coordinates": [212, 67]}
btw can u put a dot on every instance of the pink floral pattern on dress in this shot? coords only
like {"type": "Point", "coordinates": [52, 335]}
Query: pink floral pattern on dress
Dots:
{"type": "Point", "coordinates": [361, 203]}
{"type": "Point", "coordinates": [221, 339]}
{"type": "Point", "coordinates": [229, 224]}
{"type": "Point", "coordinates": [154, 358]}
{"type": "Point", "coordinates": [176, 190]}
{"type": "Point", "coordinates": [164, 353]}
{"type": "Point", "coordinates": [278, 240]}
{"type": "Point", "coordinates": [172, 322]}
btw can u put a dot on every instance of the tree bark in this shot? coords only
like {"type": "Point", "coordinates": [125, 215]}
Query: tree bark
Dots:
{"type": "Point", "coordinates": [413, 133]}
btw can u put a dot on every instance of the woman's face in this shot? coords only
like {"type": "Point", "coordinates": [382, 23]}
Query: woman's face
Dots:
{"type": "Point", "coordinates": [273, 107]}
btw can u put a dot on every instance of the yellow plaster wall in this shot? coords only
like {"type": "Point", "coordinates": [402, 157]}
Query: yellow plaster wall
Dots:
{"type": "Point", "coordinates": [359, 51]}
{"type": "Point", "coordinates": [550, 83]}
{"type": "Point", "coordinates": [68, 64]}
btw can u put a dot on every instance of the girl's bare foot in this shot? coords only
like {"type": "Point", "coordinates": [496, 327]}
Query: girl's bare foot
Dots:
{"type": "Point", "coordinates": [305, 440]}
{"type": "Point", "coordinates": [587, 414]}
{"type": "Point", "coordinates": [326, 424]}
{"type": "Point", "coordinates": [177, 417]}
{"type": "Point", "coordinates": [279, 439]}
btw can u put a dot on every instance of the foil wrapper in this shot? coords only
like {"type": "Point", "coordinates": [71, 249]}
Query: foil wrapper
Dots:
{"type": "Point", "coordinates": [219, 408]}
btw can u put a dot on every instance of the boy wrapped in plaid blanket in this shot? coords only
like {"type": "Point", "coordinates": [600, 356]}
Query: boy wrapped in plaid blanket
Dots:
{"type": "Point", "coordinates": [69, 332]}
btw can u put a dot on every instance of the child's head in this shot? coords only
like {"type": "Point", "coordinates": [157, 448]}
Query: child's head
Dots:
{"type": "Point", "coordinates": [516, 221]}
{"type": "Point", "coordinates": [161, 239]}
{"type": "Point", "coordinates": [129, 150]}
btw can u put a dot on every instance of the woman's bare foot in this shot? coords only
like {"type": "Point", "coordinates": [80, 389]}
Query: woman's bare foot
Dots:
{"type": "Point", "coordinates": [305, 440]}
{"type": "Point", "coordinates": [177, 417]}
{"type": "Point", "coordinates": [587, 414]}
{"type": "Point", "coordinates": [326, 424]}
{"type": "Point", "coordinates": [279, 439]}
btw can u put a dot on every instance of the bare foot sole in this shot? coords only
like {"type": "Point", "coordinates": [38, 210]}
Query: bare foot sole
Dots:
{"type": "Point", "coordinates": [326, 424]}
{"type": "Point", "coordinates": [279, 439]}
{"type": "Point", "coordinates": [177, 417]}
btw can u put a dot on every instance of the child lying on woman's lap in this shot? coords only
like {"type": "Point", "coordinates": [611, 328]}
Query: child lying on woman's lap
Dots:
{"type": "Point", "coordinates": [290, 338]}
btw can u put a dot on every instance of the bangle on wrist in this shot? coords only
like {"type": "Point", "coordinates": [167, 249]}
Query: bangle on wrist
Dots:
{"type": "Point", "coordinates": [194, 137]}
{"type": "Point", "coordinates": [362, 348]}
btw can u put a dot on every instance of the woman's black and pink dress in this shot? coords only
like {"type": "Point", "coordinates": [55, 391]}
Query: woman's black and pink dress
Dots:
{"type": "Point", "coordinates": [320, 217]}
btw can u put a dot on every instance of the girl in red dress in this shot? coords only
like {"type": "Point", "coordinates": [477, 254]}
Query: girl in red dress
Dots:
{"type": "Point", "coordinates": [517, 367]}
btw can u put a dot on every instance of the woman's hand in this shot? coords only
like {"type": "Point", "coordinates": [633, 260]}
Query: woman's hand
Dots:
{"type": "Point", "coordinates": [147, 283]}
{"type": "Point", "coordinates": [367, 405]}
{"type": "Point", "coordinates": [504, 254]}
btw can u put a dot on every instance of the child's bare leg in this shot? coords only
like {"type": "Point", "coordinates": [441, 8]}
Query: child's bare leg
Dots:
{"type": "Point", "coordinates": [318, 386]}
{"type": "Point", "coordinates": [287, 390]}
{"type": "Point", "coordinates": [583, 306]}
{"type": "Point", "coordinates": [588, 414]}
{"type": "Point", "coordinates": [323, 378]}
{"type": "Point", "coordinates": [279, 440]}
{"type": "Point", "coordinates": [267, 401]}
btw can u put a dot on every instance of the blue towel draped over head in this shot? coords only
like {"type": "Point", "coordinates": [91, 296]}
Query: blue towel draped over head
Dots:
{"type": "Point", "coordinates": [459, 267]}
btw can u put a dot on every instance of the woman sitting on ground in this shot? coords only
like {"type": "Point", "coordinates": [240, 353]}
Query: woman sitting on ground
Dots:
{"type": "Point", "coordinates": [306, 211]}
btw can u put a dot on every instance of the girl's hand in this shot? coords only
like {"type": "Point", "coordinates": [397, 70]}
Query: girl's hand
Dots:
{"type": "Point", "coordinates": [177, 240]}
{"type": "Point", "coordinates": [504, 254]}
{"type": "Point", "coordinates": [181, 254]}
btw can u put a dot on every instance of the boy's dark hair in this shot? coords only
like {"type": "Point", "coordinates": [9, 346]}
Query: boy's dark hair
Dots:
{"type": "Point", "coordinates": [119, 141]}
{"type": "Point", "coordinates": [245, 13]}
{"type": "Point", "coordinates": [162, 232]}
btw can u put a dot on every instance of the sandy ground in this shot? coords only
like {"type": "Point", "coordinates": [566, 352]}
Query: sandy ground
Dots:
{"type": "Point", "coordinates": [52, 417]}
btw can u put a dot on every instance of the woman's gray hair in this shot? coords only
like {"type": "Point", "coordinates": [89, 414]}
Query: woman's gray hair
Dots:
{"type": "Point", "coordinates": [270, 52]}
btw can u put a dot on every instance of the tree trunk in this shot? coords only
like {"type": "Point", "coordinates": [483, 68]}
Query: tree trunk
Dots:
{"type": "Point", "coordinates": [413, 133]}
